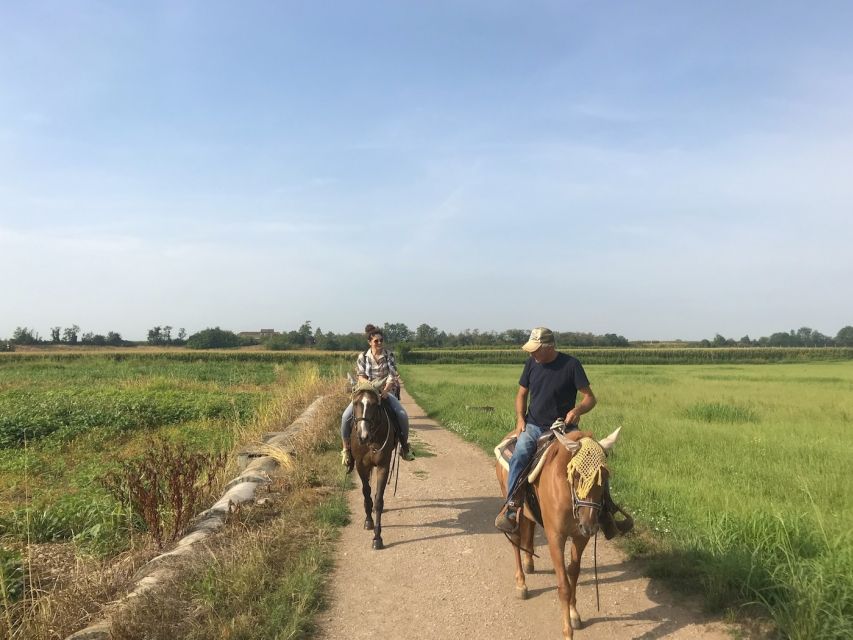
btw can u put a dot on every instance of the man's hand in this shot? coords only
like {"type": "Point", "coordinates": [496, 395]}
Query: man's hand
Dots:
{"type": "Point", "coordinates": [573, 417]}
{"type": "Point", "coordinates": [519, 427]}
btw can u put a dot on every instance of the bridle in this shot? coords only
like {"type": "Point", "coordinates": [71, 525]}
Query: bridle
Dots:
{"type": "Point", "coordinates": [370, 422]}
{"type": "Point", "coordinates": [577, 503]}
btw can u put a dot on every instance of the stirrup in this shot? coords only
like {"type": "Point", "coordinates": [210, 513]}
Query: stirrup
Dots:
{"type": "Point", "coordinates": [406, 453]}
{"type": "Point", "coordinates": [507, 520]}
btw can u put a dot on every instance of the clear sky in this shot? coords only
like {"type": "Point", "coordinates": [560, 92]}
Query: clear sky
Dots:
{"type": "Point", "coordinates": [653, 169]}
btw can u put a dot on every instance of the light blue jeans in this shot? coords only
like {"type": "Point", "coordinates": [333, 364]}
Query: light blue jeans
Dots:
{"type": "Point", "coordinates": [399, 411]}
{"type": "Point", "coordinates": [524, 450]}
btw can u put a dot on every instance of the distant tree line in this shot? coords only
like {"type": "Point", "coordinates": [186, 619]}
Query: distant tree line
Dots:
{"type": "Point", "coordinates": [158, 336]}
{"type": "Point", "coordinates": [69, 336]}
{"type": "Point", "coordinates": [400, 336]}
{"type": "Point", "coordinates": [162, 336]}
{"type": "Point", "coordinates": [802, 337]}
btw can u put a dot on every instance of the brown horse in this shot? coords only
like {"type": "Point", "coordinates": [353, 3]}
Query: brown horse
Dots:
{"type": "Point", "coordinates": [570, 499]}
{"type": "Point", "coordinates": [373, 441]}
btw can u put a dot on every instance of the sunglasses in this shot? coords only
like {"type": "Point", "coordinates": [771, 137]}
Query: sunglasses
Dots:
{"type": "Point", "coordinates": [377, 341]}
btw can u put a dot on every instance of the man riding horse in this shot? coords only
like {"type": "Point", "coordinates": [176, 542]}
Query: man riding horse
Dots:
{"type": "Point", "coordinates": [550, 382]}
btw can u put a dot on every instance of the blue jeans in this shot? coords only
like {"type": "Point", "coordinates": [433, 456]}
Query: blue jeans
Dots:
{"type": "Point", "coordinates": [524, 450]}
{"type": "Point", "coordinates": [523, 454]}
{"type": "Point", "coordinates": [399, 411]}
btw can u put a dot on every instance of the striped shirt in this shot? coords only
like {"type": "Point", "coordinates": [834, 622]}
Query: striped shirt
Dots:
{"type": "Point", "coordinates": [374, 368]}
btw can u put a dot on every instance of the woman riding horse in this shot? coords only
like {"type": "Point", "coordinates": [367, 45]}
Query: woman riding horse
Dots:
{"type": "Point", "coordinates": [374, 364]}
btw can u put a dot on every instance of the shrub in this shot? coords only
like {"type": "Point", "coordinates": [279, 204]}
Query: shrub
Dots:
{"type": "Point", "coordinates": [165, 487]}
{"type": "Point", "coordinates": [215, 338]}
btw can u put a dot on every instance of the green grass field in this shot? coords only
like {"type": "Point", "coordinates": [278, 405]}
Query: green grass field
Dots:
{"type": "Point", "coordinates": [738, 475]}
{"type": "Point", "coordinates": [67, 419]}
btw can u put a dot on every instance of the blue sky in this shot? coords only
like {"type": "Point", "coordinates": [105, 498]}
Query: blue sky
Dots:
{"type": "Point", "coordinates": [652, 169]}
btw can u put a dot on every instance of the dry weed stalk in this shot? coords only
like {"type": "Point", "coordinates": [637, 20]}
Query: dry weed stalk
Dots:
{"type": "Point", "coordinates": [166, 486]}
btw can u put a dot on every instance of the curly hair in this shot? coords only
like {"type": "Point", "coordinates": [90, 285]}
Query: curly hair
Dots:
{"type": "Point", "coordinates": [371, 330]}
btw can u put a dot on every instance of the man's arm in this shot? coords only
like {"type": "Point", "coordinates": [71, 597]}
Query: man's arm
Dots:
{"type": "Point", "coordinates": [520, 409]}
{"type": "Point", "coordinates": [585, 406]}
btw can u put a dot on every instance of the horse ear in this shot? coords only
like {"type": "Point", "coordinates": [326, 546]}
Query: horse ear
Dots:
{"type": "Point", "coordinates": [609, 441]}
{"type": "Point", "coordinates": [379, 384]}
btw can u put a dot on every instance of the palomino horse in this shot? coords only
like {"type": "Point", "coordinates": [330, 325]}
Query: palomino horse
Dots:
{"type": "Point", "coordinates": [570, 498]}
{"type": "Point", "coordinates": [373, 442]}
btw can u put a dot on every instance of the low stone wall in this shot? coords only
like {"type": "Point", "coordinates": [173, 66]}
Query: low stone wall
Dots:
{"type": "Point", "coordinates": [258, 467]}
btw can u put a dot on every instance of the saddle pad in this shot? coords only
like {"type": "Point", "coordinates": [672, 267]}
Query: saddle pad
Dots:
{"type": "Point", "coordinates": [503, 453]}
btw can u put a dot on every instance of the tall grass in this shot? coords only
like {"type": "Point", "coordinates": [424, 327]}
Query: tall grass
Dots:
{"type": "Point", "coordinates": [270, 582]}
{"type": "Point", "coordinates": [64, 502]}
{"type": "Point", "coordinates": [737, 474]}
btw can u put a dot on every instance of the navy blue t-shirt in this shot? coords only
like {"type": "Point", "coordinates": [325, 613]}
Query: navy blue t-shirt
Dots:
{"type": "Point", "coordinates": [553, 388]}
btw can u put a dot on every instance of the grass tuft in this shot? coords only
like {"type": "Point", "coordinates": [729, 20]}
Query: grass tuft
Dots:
{"type": "Point", "coordinates": [720, 412]}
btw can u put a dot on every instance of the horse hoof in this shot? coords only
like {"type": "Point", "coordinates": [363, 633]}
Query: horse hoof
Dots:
{"type": "Point", "coordinates": [368, 524]}
{"type": "Point", "coordinates": [577, 623]}
{"type": "Point", "coordinates": [521, 592]}
{"type": "Point", "coordinates": [377, 544]}
{"type": "Point", "coordinates": [528, 567]}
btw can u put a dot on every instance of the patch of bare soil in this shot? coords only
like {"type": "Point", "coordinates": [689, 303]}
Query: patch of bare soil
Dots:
{"type": "Point", "coordinates": [446, 572]}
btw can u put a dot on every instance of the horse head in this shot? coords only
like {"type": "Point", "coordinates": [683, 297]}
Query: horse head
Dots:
{"type": "Point", "coordinates": [587, 475]}
{"type": "Point", "coordinates": [366, 408]}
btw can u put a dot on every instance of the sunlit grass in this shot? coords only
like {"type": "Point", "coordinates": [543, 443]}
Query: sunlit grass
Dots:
{"type": "Point", "coordinates": [50, 490]}
{"type": "Point", "coordinates": [740, 472]}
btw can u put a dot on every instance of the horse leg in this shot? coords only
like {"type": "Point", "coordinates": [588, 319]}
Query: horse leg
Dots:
{"type": "Point", "coordinates": [364, 474]}
{"type": "Point", "coordinates": [574, 569]}
{"type": "Point", "coordinates": [557, 547]}
{"type": "Point", "coordinates": [520, 584]}
{"type": "Point", "coordinates": [526, 529]}
{"type": "Point", "coordinates": [381, 481]}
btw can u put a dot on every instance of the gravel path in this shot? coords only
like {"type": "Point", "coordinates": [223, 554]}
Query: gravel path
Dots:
{"type": "Point", "coordinates": [447, 573]}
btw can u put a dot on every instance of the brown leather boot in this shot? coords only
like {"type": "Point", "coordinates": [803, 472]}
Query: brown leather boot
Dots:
{"type": "Point", "coordinates": [507, 520]}
{"type": "Point", "coordinates": [607, 521]}
{"type": "Point", "coordinates": [608, 526]}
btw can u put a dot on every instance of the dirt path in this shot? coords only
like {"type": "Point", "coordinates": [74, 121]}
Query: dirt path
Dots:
{"type": "Point", "coordinates": [447, 573]}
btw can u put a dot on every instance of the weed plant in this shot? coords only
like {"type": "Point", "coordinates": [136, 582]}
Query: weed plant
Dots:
{"type": "Point", "coordinates": [738, 475]}
{"type": "Point", "coordinates": [166, 486]}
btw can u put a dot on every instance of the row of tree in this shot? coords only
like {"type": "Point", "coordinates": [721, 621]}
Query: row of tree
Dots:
{"type": "Point", "coordinates": [427, 336]}
{"type": "Point", "coordinates": [802, 337]}
{"type": "Point", "coordinates": [69, 335]}
{"type": "Point", "coordinates": [158, 336]}
{"type": "Point", "coordinates": [400, 335]}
